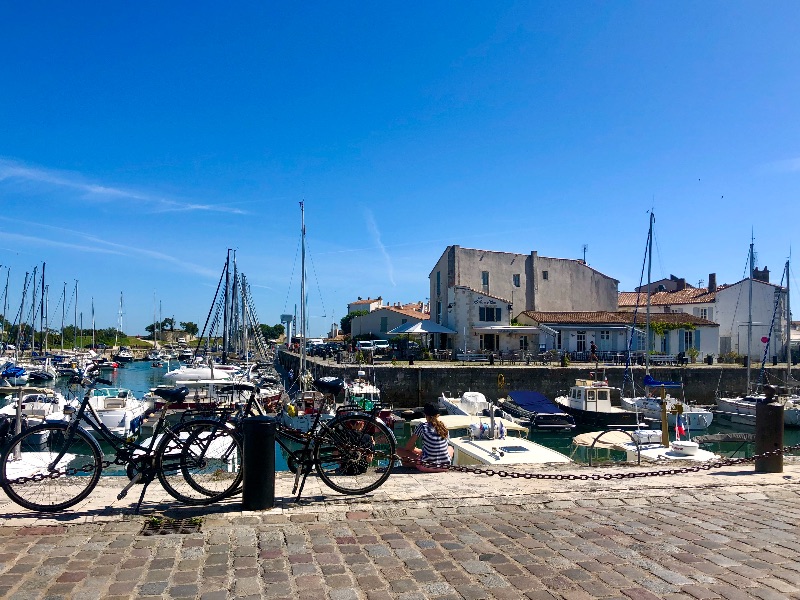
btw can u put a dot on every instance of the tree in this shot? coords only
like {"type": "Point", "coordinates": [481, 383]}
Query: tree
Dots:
{"type": "Point", "coordinates": [190, 328]}
{"type": "Point", "coordinates": [168, 323]}
{"type": "Point", "coordinates": [272, 332]}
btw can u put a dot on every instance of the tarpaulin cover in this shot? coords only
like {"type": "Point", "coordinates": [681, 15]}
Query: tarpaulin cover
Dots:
{"type": "Point", "coordinates": [329, 385]}
{"type": "Point", "coordinates": [650, 382]}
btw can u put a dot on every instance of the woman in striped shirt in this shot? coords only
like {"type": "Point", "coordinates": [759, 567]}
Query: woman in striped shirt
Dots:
{"type": "Point", "coordinates": [435, 451]}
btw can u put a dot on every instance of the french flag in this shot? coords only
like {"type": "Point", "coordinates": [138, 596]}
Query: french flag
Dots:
{"type": "Point", "coordinates": [680, 425]}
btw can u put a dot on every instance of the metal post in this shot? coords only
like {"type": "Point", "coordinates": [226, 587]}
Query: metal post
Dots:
{"type": "Point", "coordinates": [769, 433]}
{"type": "Point", "coordinates": [258, 463]}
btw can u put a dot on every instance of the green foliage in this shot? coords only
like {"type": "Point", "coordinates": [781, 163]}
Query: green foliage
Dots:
{"type": "Point", "coordinates": [663, 328]}
{"type": "Point", "coordinates": [272, 332]}
{"type": "Point", "coordinates": [190, 328]}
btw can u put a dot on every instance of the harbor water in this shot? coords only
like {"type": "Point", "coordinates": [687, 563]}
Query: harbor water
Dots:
{"type": "Point", "coordinates": [141, 376]}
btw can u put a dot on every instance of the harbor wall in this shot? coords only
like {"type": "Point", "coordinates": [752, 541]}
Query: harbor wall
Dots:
{"type": "Point", "coordinates": [411, 386]}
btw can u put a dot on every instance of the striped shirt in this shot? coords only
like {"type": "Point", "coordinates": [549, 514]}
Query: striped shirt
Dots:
{"type": "Point", "coordinates": [434, 446]}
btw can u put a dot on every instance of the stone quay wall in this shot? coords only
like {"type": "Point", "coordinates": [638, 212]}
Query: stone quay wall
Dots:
{"type": "Point", "coordinates": [409, 386]}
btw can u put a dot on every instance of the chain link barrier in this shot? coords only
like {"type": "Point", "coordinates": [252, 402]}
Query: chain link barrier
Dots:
{"type": "Point", "coordinates": [706, 466]}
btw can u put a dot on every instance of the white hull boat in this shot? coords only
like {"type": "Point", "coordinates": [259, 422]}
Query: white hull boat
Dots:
{"type": "Point", "coordinates": [119, 410]}
{"type": "Point", "coordinates": [697, 418]}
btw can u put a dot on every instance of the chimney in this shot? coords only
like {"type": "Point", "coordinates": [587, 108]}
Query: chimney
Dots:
{"type": "Point", "coordinates": [762, 275]}
{"type": "Point", "coordinates": [681, 285]}
{"type": "Point", "coordinates": [712, 282]}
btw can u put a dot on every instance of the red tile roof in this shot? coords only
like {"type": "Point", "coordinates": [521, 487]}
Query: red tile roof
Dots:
{"type": "Point", "coordinates": [613, 318]}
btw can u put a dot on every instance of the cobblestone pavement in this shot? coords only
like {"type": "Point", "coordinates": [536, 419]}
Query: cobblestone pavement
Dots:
{"type": "Point", "coordinates": [728, 533]}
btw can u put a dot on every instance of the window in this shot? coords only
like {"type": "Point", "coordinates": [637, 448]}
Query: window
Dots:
{"type": "Point", "coordinates": [558, 340]}
{"type": "Point", "coordinates": [688, 338]}
{"type": "Point", "coordinates": [516, 279]}
{"type": "Point", "coordinates": [384, 324]}
{"type": "Point", "coordinates": [489, 341]}
{"type": "Point", "coordinates": [438, 312]}
{"type": "Point", "coordinates": [545, 274]}
{"type": "Point", "coordinates": [488, 313]}
{"type": "Point", "coordinates": [605, 335]}
{"type": "Point", "coordinates": [581, 343]}
{"type": "Point", "coordinates": [438, 283]}
{"type": "Point", "coordinates": [485, 281]}
{"type": "Point", "coordinates": [523, 343]}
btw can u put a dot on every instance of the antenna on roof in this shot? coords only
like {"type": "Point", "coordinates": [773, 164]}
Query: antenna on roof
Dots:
{"type": "Point", "coordinates": [585, 248]}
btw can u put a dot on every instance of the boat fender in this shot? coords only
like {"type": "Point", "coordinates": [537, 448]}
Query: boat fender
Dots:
{"type": "Point", "coordinates": [501, 381]}
{"type": "Point", "coordinates": [291, 410]}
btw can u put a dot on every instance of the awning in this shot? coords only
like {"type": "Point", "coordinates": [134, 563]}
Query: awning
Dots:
{"type": "Point", "coordinates": [421, 327]}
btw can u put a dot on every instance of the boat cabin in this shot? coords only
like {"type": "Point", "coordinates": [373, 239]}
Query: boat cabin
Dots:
{"type": "Point", "coordinates": [590, 395]}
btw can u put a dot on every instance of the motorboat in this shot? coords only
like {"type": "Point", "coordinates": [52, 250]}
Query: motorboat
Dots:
{"type": "Point", "coordinates": [538, 411]}
{"type": "Point", "coordinates": [493, 441]}
{"type": "Point", "coordinates": [119, 410]}
{"type": "Point", "coordinates": [367, 396]}
{"type": "Point", "coordinates": [41, 371]}
{"type": "Point", "coordinates": [644, 444]}
{"type": "Point", "coordinates": [12, 375]}
{"type": "Point", "coordinates": [124, 354]}
{"type": "Point", "coordinates": [471, 403]}
{"type": "Point", "coordinates": [589, 401]}
{"type": "Point", "coordinates": [36, 406]}
{"type": "Point", "coordinates": [203, 372]}
{"type": "Point", "coordinates": [650, 406]}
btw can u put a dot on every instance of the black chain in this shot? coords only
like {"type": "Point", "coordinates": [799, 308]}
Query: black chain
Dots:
{"type": "Point", "coordinates": [87, 468]}
{"type": "Point", "coordinates": [706, 466]}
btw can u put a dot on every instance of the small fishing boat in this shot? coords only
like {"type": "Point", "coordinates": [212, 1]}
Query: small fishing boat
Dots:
{"type": "Point", "coordinates": [124, 354]}
{"type": "Point", "coordinates": [589, 401]}
{"type": "Point", "coordinates": [12, 375]}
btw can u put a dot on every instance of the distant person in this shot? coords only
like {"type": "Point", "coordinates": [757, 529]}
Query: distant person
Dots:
{"type": "Point", "coordinates": [435, 451]}
{"type": "Point", "coordinates": [593, 351]}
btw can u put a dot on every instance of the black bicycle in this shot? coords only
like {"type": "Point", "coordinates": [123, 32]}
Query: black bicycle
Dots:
{"type": "Point", "coordinates": [53, 466]}
{"type": "Point", "coordinates": [353, 452]}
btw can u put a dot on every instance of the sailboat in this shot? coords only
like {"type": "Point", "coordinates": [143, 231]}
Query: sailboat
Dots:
{"type": "Point", "coordinates": [743, 408]}
{"type": "Point", "coordinates": [650, 405]}
{"type": "Point", "coordinates": [311, 396]}
{"type": "Point", "coordinates": [124, 354]}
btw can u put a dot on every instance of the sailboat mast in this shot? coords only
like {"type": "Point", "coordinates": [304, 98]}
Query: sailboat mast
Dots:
{"type": "Point", "coordinates": [75, 341]}
{"type": "Point", "coordinates": [302, 295]}
{"type": "Point", "coordinates": [750, 313]}
{"type": "Point", "coordinates": [226, 308]}
{"type": "Point", "coordinates": [649, 279]}
{"type": "Point", "coordinates": [63, 314]}
{"type": "Point", "coordinates": [788, 330]}
{"type": "Point", "coordinates": [42, 331]}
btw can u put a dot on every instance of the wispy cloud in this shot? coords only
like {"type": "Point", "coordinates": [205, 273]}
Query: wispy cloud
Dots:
{"type": "Point", "coordinates": [96, 245]}
{"type": "Point", "coordinates": [15, 173]}
{"type": "Point", "coordinates": [790, 165]}
{"type": "Point", "coordinates": [372, 227]}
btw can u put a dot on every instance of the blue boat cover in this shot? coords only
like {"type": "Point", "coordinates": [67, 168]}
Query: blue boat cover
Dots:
{"type": "Point", "coordinates": [650, 382]}
{"type": "Point", "coordinates": [535, 402]}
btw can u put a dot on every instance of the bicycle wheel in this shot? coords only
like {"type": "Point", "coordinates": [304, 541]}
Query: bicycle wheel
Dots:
{"type": "Point", "coordinates": [30, 477]}
{"type": "Point", "coordinates": [200, 461]}
{"type": "Point", "coordinates": [355, 454]}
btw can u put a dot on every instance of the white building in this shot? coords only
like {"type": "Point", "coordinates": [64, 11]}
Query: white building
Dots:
{"type": "Point", "coordinates": [730, 307]}
{"type": "Point", "coordinates": [477, 292]}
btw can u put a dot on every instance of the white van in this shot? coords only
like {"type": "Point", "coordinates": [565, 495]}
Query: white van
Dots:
{"type": "Point", "coordinates": [365, 346]}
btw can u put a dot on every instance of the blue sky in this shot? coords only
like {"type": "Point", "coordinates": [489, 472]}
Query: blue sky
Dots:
{"type": "Point", "coordinates": [140, 141]}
